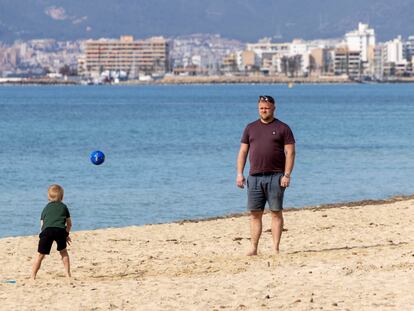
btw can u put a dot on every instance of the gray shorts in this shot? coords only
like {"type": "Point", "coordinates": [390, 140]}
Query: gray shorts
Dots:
{"type": "Point", "coordinates": [265, 188]}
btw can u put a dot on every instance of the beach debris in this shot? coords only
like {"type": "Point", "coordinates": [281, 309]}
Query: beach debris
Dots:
{"type": "Point", "coordinates": [297, 300]}
{"type": "Point", "coordinates": [9, 281]}
{"type": "Point", "coordinates": [324, 215]}
{"type": "Point", "coordinates": [267, 297]}
{"type": "Point", "coordinates": [335, 304]}
{"type": "Point", "coordinates": [311, 300]}
{"type": "Point", "coordinates": [237, 239]}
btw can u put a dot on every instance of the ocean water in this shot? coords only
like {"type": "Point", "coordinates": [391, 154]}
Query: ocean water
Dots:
{"type": "Point", "coordinates": [171, 150]}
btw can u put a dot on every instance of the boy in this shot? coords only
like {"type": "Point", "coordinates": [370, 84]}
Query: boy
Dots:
{"type": "Point", "coordinates": [55, 225]}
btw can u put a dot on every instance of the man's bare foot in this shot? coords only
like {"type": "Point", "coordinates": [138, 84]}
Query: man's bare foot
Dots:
{"type": "Point", "coordinates": [253, 252]}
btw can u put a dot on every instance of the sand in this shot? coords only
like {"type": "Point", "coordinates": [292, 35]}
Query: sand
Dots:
{"type": "Point", "coordinates": [357, 257]}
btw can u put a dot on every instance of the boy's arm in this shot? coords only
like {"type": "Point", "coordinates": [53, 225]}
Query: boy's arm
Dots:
{"type": "Point", "coordinates": [68, 224]}
{"type": "Point", "coordinates": [68, 227]}
{"type": "Point", "coordinates": [41, 224]}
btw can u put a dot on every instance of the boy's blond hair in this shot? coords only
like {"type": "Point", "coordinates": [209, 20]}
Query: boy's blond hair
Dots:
{"type": "Point", "coordinates": [55, 193]}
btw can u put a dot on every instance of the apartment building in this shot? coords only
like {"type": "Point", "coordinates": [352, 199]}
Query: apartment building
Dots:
{"type": "Point", "coordinates": [347, 62]}
{"type": "Point", "coordinates": [361, 40]}
{"type": "Point", "coordinates": [136, 58]}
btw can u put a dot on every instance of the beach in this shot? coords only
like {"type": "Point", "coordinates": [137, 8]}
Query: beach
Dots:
{"type": "Point", "coordinates": [342, 257]}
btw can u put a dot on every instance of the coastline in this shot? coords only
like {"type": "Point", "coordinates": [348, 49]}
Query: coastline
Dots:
{"type": "Point", "coordinates": [184, 80]}
{"type": "Point", "coordinates": [355, 256]}
{"type": "Point", "coordinates": [321, 207]}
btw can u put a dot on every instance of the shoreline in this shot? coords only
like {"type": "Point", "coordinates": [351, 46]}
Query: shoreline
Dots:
{"type": "Point", "coordinates": [188, 80]}
{"type": "Point", "coordinates": [321, 207]}
{"type": "Point", "coordinates": [340, 257]}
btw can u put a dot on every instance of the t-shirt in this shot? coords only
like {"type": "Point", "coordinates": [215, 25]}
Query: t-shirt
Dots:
{"type": "Point", "coordinates": [54, 215]}
{"type": "Point", "coordinates": [266, 145]}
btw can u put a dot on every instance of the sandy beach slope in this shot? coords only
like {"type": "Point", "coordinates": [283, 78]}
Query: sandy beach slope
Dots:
{"type": "Point", "coordinates": [342, 258]}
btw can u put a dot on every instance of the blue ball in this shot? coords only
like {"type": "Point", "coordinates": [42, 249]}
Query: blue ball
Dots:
{"type": "Point", "coordinates": [97, 157]}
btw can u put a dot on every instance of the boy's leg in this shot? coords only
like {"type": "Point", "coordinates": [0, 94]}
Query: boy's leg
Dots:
{"type": "Point", "coordinates": [66, 261]}
{"type": "Point", "coordinates": [36, 265]}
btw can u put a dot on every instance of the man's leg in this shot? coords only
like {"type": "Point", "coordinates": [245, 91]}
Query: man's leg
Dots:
{"type": "Point", "coordinates": [277, 228]}
{"type": "Point", "coordinates": [36, 265]}
{"type": "Point", "coordinates": [255, 231]}
{"type": "Point", "coordinates": [66, 261]}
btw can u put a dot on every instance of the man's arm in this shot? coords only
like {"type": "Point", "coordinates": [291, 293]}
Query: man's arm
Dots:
{"type": "Point", "coordinates": [289, 163]}
{"type": "Point", "coordinates": [241, 162]}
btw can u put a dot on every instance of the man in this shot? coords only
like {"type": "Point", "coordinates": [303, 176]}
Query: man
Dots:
{"type": "Point", "coordinates": [271, 148]}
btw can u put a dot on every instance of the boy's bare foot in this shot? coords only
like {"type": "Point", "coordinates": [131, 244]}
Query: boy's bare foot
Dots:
{"type": "Point", "coordinates": [31, 280]}
{"type": "Point", "coordinates": [253, 252]}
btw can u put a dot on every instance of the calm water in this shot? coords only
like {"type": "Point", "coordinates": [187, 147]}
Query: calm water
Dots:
{"type": "Point", "coordinates": [171, 150]}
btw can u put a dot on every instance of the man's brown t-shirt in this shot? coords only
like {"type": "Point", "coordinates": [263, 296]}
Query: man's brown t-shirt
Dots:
{"type": "Point", "coordinates": [266, 145]}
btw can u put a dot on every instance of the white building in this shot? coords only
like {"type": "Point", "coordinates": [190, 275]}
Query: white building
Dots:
{"type": "Point", "coordinates": [362, 40]}
{"type": "Point", "coordinates": [394, 51]}
{"type": "Point", "coordinates": [266, 46]}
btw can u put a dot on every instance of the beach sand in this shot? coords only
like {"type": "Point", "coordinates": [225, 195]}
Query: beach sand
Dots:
{"type": "Point", "coordinates": [356, 257]}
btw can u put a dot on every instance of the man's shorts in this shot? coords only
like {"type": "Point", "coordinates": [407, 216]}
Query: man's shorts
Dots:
{"type": "Point", "coordinates": [262, 188]}
{"type": "Point", "coordinates": [49, 235]}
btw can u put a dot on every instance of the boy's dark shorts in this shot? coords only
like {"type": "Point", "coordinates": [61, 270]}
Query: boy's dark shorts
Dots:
{"type": "Point", "coordinates": [49, 235]}
{"type": "Point", "coordinates": [262, 188]}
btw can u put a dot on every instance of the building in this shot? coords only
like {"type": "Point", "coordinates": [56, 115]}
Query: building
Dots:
{"type": "Point", "coordinates": [144, 57]}
{"type": "Point", "coordinates": [394, 51]}
{"type": "Point", "coordinates": [266, 46]}
{"type": "Point", "coordinates": [317, 59]}
{"type": "Point", "coordinates": [379, 62]}
{"type": "Point", "coordinates": [230, 63]}
{"type": "Point", "coordinates": [409, 48]}
{"type": "Point", "coordinates": [249, 61]}
{"type": "Point", "coordinates": [348, 62]}
{"type": "Point", "coordinates": [394, 61]}
{"type": "Point", "coordinates": [361, 40]}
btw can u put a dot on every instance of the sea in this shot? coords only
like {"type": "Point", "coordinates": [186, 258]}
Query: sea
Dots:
{"type": "Point", "coordinates": [171, 149]}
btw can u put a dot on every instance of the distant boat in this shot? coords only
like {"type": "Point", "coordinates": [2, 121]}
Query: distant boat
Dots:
{"type": "Point", "coordinates": [290, 85]}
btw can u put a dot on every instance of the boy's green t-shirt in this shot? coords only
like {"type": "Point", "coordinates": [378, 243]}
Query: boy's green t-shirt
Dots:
{"type": "Point", "coordinates": [54, 215]}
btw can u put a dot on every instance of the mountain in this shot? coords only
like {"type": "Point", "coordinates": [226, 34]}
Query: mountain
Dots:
{"type": "Point", "coordinates": [246, 20]}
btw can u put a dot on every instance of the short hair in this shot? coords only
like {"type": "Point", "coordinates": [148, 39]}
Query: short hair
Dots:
{"type": "Point", "coordinates": [55, 193]}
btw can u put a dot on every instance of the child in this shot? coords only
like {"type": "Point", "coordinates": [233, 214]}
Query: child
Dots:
{"type": "Point", "coordinates": [55, 225]}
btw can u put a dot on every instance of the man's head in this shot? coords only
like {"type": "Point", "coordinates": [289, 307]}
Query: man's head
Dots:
{"type": "Point", "coordinates": [266, 107]}
{"type": "Point", "coordinates": [55, 193]}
